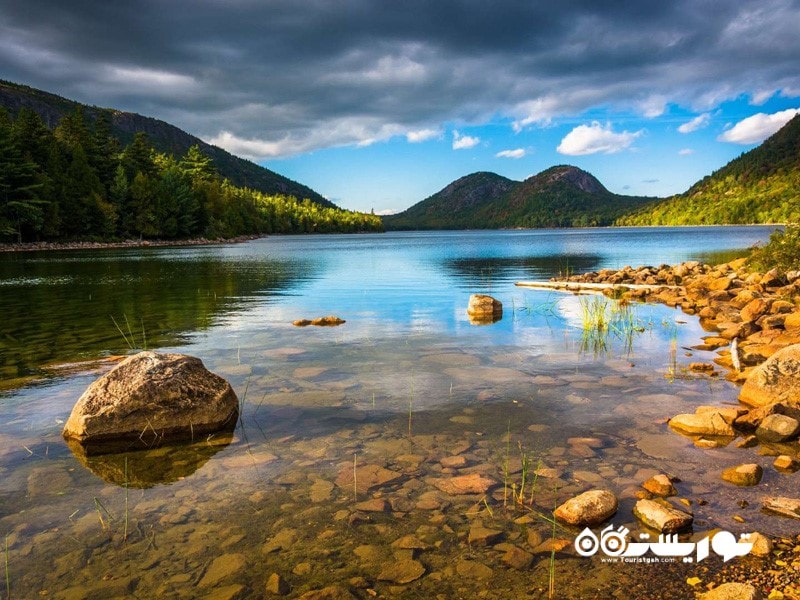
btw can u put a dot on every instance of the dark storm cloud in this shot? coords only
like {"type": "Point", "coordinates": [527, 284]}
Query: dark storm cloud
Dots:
{"type": "Point", "coordinates": [287, 76]}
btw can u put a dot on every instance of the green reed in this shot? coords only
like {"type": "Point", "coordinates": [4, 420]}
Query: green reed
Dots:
{"type": "Point", "coordinates": [8, 573]}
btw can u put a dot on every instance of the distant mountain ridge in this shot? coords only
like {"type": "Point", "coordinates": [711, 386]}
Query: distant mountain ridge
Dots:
{"type": "Point", "coordinates": [760, 186]}
{"type": "Point", "coordinates": [561, 196]}
{"type": "Point", "coordinates": [163, 136]}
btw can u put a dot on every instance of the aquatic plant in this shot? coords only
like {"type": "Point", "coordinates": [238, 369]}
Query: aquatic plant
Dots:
{"type": "Point", "coordinates": [411, 404]}
{"type": "Point", "coordinates": [355, 478]}
{"type": "Point", "coordinates": [130, 341]}
{"type": "Point", "coordinates": [602, 318]}
{"type": "Point", "coordinates": [100, 508]}
{"type": "Point", "coordinates": [551, 588]}
{"type": "Point", "coordinates": [8, 573]}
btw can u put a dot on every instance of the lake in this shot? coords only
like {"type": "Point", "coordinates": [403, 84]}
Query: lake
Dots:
{"type": "Point", "coordinates": [408, 386]}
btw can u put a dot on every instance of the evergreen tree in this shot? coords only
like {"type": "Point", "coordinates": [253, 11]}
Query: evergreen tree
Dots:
{"type": "Point", "coordinates": [20, 208]}
{"type": "Point", "coordinates": [105, 150]}
{"type": "Point", "coordinates": [197, 165]}
{"type": "Point", "coordinates": [138, 157]}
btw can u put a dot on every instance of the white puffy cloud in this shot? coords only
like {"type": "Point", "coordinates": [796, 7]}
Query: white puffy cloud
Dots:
{"type": "Point", "coordinates": [685, 152]}
{"type": "Point", "coordinates": [698, 122]}
{"type": "Point", "coordinates": [464, 142]}
{"type": "Point", "coordinates": [422, 135]}
{"type": "Point", "coordinates": [757, 128]}
{"type": "Point", "coordinates": [516, 153]}
{"type": "Point", "coordinates": [594, 138]}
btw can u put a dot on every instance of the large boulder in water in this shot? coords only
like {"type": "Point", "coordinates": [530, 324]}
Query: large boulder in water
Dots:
{"type": "Point", "coordinates": [776, 380]}
{"type": "Point", "coordinates": [150, 399]}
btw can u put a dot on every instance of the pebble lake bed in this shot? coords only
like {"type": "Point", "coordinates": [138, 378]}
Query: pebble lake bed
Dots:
{"type": "Point", "coordinates": [404, 453]}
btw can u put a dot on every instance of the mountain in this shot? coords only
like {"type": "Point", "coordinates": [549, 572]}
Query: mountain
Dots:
{"type": "Point", "coordinates": [162, 136]}
{"type": "Point", "coordinates": [760, 186]}
{"type": "Point", "coordinates": [454, 206]}
{"type": "Point", "coordinates": [561, 196]}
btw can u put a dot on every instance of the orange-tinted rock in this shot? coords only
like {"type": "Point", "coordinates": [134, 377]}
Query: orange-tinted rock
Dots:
{"type": "Point", "coordinates": [776, 380]}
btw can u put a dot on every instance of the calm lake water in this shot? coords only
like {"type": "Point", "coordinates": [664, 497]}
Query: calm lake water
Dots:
{"type": "Point", "coordinates": [406, 384]}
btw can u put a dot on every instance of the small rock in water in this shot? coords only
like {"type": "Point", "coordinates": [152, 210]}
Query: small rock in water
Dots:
{"type": "Point", "coordinates": [366, 477]}
{"type": "Point", "coordinates": [786, 463]}
{"type": "Point", "coordinates": [329, 321]}
{"type": "Point", "coordinates": [702, 423]}
{"type": "Point", "coordinates": [661, 516]}
{"type": "Point", "coordinates": [777, 428]}
{"type": "Point", "coordinates": [786, 507]}
{"type": "Point", "coordinates": [517, 558]}
{"type": "Point", "coordinates": [588, 509]}
{"type": "Point", "coordinates": [402, 571]}
{"type": "Point", "coordinates": [227, 565]}
{"type": "Point", "coordinates": [277, 585]}
{"type": "Point", "coordinates": [484, 309]}
{"type": "Point", "coordinates": [660, 485]}
{"type": "Point", "coordinates": [473, 483]}
{"type": "Point", "coordinates": [453, 462]}
{"type": "Point", "coordinates": [373, 505]}
{"type": "Point", "coordinates": [743, 475]}
{"type": "Point", "coordinates": [750, 441]}
{"type": "Point", "coordinates": [483, 536]}
{"type": "Point", "coordinates": [472, 569]}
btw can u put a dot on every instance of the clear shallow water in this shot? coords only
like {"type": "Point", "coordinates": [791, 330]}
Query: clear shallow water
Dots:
{"type": "Point", "coordinates": [407, 381]}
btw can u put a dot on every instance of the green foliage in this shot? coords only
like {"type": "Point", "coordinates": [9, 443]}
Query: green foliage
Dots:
{"type": "Point", "coordinates": [781, 252]}
{"type": "Point", "coordinates": [76, 184]}
{"type": "Point", "coordinates": [760, 186]}
{"type": "Point", "coordinates": [20, 206]}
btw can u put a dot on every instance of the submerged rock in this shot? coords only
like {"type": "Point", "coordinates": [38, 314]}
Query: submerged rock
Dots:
{"type": "Point", "coordinates": [402, 571]}
{"type": "Point", "coordinates": [329, 321]}
{"type": "Point", "coordinates": [149, 399]}
{"type": "Point", "coordinates": [483, 536]}
{"type": "Point", "coordinates": [588, 509]}
{"type": "Point", "coordinates": [474, 483]}
{"type": "Point", "coordinates": [743, 475]}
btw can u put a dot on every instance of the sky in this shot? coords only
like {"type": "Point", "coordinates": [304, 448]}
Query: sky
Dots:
{"type": "Point", "coordinates": [378, 104]}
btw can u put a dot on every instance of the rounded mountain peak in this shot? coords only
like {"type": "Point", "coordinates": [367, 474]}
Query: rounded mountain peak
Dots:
{"type": "Point", "coordinates": [586, 182]}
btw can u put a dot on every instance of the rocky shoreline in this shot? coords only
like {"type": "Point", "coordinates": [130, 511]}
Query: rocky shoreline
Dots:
{"type": "Point", "coordinates": [134, 243]}
{"type": "Point", "coordinates": [753, 322]}
{"type": "Point", "coordinates": [760, 310]}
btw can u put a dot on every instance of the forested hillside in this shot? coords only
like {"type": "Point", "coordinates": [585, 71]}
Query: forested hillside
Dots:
{"type": "Point", "coordinates": [164, 137]}
{"type": "Point", "coordinates": [760, 186]}
{"type": "Point", "coordinates": [78, 182]}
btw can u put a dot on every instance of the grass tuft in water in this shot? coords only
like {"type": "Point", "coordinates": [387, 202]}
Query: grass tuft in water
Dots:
{"type": "Point", "coordinates": [603, 319]}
